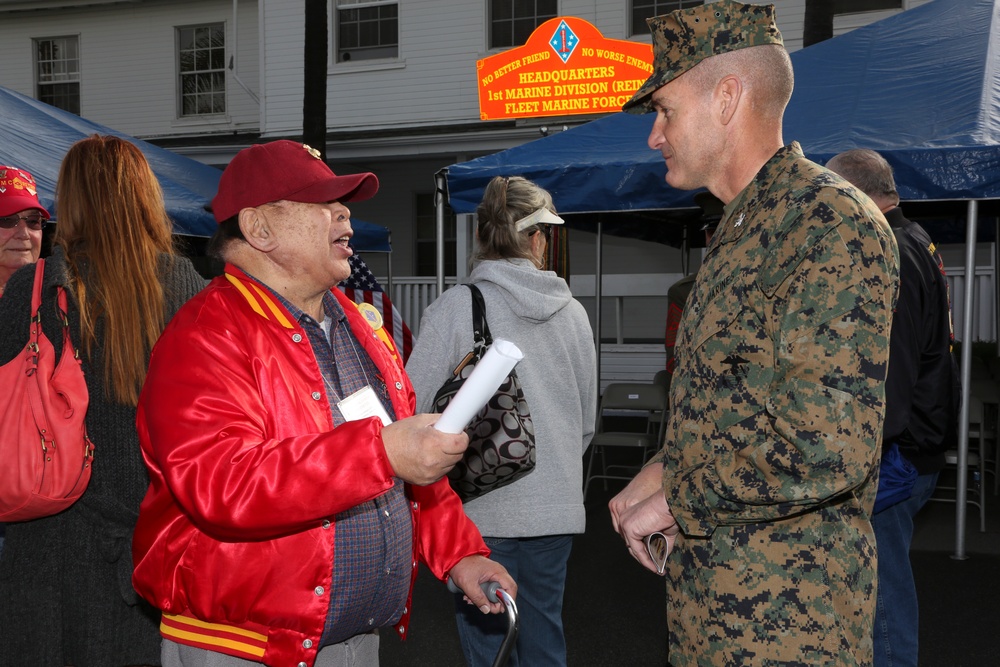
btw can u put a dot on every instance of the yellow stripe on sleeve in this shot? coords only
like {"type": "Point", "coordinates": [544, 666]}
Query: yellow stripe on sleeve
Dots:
{"type": "Point", "coordinates": [194, 622]}
{"type": "Point", "coordinates": [213, 634]}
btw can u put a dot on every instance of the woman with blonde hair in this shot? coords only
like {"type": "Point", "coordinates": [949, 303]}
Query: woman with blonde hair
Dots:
{"type": "Point", "coordinates": [528, 524]}
{"type": "Point", "coordinates": [66, 595]}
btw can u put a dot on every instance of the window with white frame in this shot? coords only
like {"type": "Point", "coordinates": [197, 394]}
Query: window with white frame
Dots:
{"type": "Point", "coordinates": [513, 21]}
{"type": "Point", "coordinates": [57, 72]}
{"type": "Point", "coordinates": [426, 241]}
{"type": "Point", "coordinates": [644, 9]}
{"type": "Point", "coordinates": [366, 29]}
{"type": "Point", "coordinates": [201, 69]}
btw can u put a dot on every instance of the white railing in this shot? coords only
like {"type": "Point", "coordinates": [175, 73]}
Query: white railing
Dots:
{"type": "Point", "coordinates": [984, 320]}
{"type": "Point", "coordinates": [621, 286]}
{"type": "Point", "coordinates": [412, 294]}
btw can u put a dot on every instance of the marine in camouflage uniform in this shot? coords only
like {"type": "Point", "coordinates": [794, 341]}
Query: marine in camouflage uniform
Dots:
{"type": "Point", "coordinates": [777, 402]}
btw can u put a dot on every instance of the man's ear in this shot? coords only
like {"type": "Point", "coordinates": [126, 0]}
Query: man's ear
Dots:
{"type": "Point", "coordinates": [256, 228]}
{"type": "Point", "coordinates": [729, 94]}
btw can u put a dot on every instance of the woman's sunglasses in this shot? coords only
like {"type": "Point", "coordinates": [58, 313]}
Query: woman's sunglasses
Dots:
{"type": "Point", "coordinates": [35, 222]}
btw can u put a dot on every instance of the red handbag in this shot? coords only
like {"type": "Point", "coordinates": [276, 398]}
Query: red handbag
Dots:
{"type": "Point", "coordinates": [46, 452]}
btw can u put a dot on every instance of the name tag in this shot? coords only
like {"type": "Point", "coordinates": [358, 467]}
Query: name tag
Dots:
{"type": "Point", "coordinates": [361, 404]}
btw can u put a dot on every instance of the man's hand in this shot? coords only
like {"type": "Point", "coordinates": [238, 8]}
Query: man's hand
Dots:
{"type": "Point", "coordinates": [645, 518]}
{"type": "Point", "coordinates": [420, 454]}
{"type": "Point", "coordinates": [646, 483]}
{"type": "Point", "coordinates": [472, 571]}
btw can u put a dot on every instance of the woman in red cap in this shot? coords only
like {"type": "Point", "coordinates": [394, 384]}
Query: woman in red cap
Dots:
{"type": "Point", "coordinates": [21, 220]}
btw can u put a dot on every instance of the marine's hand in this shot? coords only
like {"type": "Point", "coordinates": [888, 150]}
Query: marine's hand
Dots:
{"type": "Point", "coordinates": [645, 518]}
{"type": "Point", "coordinates": [472, 571]}
{"type": "Point", "coordinates": [648, 481]}
{"type": "Point", "coordinates": [420, 454]}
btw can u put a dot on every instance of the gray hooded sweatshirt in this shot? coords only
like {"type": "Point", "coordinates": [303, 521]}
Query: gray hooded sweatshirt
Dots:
{"type": "Point", "coordinates": [536, 311]}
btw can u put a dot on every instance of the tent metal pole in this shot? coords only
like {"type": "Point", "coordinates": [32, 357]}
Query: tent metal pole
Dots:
{"type": "Point", "coordinates": [962, 474]}
{"type": "Point", "coordinates": [597, 300]}
{"type": "Point", "coordinates": [388, 270]}
{"type": "Point", "coordinates": [463, 246]}
{"type": "Point", "coordinates": [439, 189]}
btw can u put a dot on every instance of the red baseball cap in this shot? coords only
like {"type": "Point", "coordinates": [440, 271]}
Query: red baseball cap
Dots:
{"type": "Point", "coordinates": [285, 170]}
{"type": "Point", "coordinates": [18, 192]}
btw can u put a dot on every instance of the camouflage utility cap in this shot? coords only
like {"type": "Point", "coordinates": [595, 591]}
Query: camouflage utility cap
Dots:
{"type": "Point", "coordinates": [685, 37]}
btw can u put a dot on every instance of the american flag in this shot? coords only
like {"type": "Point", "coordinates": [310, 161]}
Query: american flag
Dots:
{"type": "Point", "coordinates": [361, 286]}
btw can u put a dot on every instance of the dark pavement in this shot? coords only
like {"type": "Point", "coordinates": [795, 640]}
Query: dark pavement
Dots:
{"type": "Point", "coordinates": [614, 610]}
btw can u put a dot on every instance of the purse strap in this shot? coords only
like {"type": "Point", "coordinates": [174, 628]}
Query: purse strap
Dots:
{"type": "Point", "coordinates": [36, 305]}
{"type": "Point", "coordinates": [35, 324]}
{"type": "Point", "coordinates": [36, 292]}
{"type": "Point", "coordinates": [480, 328]}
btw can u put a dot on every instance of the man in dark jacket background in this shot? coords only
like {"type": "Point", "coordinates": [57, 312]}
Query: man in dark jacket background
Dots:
{"type": "Point", "coordinates": [922, 397]}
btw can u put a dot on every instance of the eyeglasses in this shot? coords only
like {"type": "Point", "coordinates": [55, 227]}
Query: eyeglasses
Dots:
{"type": "Point", "coordinates": [35, 222]}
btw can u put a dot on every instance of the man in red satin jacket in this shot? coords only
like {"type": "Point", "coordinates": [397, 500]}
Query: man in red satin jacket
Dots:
{"type": "Point", "coordinates": [292, 489]}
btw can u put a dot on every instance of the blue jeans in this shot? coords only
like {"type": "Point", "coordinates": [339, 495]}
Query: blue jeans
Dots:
{"type": "Point", "coordinates": [538, 565]}
{"type": "Point", "coordinates": [896, 609]}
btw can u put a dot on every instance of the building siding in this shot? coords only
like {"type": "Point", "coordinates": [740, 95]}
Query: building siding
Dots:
{"type": "Point", "coordinates": [129, 69]}
{"type": "Point", "coordinates": [128, 62]}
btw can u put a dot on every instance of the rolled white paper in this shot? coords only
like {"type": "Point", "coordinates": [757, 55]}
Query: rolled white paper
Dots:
{"type": "Point", "coordinates": [481, 384]}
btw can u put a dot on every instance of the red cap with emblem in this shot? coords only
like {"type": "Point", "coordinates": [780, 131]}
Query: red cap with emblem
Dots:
{"type": "Point", "coordinates": [18, 192]}
{"type": "Point", "coordinates": [285, 170]}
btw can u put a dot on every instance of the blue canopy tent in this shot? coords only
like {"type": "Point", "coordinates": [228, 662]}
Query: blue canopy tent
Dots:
{"type": "Point", "coordinates": [369, 237]}
{"type": "Point", "coordinates": [922, 87]}
{"type": "Point", "coordinates": [35, 136]}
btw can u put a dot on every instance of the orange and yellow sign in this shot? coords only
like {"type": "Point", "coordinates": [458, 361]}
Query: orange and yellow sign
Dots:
{"type": "Point", "coordinates": [567, 67]}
